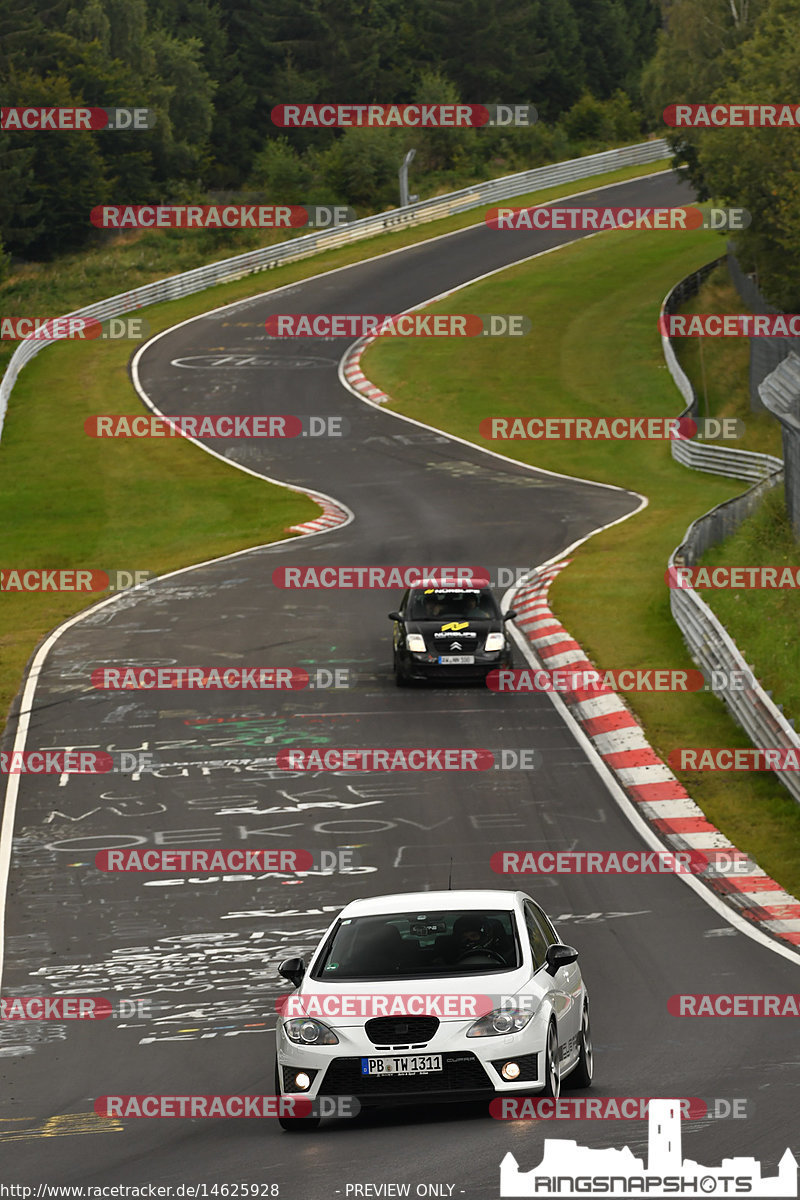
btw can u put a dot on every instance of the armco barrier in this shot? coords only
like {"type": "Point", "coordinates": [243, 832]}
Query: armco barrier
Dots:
{"type": "Point", "coordinates": [766, 353]}
{"type": "Point", "coordinates": [702, 456]}
{"type": "Point", "coordinates": [229, 269]}
{"type": "Point", "coordinates": [780, 392]}
{"type": "Point", "coordinates": [709, 643]}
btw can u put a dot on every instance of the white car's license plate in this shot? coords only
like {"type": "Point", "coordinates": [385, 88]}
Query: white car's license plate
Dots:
{"type": "Point", "coordinates": [454, 659]}
{"type": "Point", "coordinates": [402, 1064]}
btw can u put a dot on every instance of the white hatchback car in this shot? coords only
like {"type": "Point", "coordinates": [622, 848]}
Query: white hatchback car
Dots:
{"type": "Point", "coordinates": [457, 995]}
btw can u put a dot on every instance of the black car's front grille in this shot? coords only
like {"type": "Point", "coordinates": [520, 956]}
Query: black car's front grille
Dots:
{"type": "Point", "coordinates": [461, 1072]}
{"type": "Point", "coordinates": [401, 1031]}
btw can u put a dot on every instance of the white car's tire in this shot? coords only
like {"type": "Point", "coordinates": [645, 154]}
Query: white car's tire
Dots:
{"type": "Point", "coordinates": [581, 1076]}
{"type": "Point", "coordinates": [552, 1064]}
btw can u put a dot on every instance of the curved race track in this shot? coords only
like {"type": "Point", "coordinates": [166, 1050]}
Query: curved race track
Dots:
{"type": "Point", "coordinates": [205, 950]}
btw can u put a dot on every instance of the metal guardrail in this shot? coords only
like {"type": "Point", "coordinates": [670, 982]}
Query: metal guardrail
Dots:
{"type": "Point", "coordinates": [705, 456]}
{"type": "Point", "coordinates": [229, 269]}
{"type": "Point", "coordinates": [766, 353]}
{"type": "Point", "coordinates": [780, 393]}
{"type": "Point", "coordinates": [709, 643]}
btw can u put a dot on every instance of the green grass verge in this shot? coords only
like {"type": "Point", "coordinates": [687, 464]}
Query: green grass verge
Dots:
{"type": "Point", "coordinates": [594, 350]}
{"type": "Point", "coordinates": [719, 368]}
{"type": "Point", "coordinates": [70, 501]}
{"type": "Point", "coordinates": [763, 622]}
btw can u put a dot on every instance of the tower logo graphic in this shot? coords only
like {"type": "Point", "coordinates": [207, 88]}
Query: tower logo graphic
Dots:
{"type": "Point", "coordinates": [568, 1169]}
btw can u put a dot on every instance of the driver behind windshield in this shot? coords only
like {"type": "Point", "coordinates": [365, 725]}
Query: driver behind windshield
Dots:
{"type": "Point", "coordinates": [472, 933]}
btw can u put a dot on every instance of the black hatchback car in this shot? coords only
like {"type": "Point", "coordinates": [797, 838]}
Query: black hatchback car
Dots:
{"type": "Point", "coordinates": [450, 634]}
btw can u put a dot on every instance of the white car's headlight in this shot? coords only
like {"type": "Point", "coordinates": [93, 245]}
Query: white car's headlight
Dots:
{"type": "Point", "coordinates": [498, 1022]}
{"type": "Point", "coordinates": [415, 642]}
{"type": "Point", "coordinates": [495, 641]}
{"type": "Point", "coordinates": [306, 1032]}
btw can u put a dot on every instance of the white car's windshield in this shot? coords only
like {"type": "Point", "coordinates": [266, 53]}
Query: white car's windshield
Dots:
{"type": "Point", "coordinates": [414, 945]}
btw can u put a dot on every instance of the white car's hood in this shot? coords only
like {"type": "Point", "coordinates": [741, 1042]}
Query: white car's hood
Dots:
{"type": "Point", "coordinates": [349, 1003]}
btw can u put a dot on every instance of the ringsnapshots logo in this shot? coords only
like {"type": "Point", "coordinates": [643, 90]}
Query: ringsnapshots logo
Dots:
{"type": "Point", "coordinates": [409, 324]}
{"type": "Point", "coordinates": [402, 116]}
{"type": "Point", "coordinates": [221, 425]}
{"type": "Point", "coordinates": [56, 329]}
{"type": "Point", "coordinates": [220, 216]}
{"type": "Point", "coordinates": [545, 216]}
{"type": "Point", "coordinates": [74, 120]}
{"type": "Point", "coordinates": [568, 1169]}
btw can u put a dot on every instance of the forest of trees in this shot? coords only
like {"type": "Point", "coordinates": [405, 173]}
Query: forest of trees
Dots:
{"type": "Point", "coordinates": [730, 52]}
{"type": "Point", "coordinates": [600, 72]}
{"type": "Point", "coordinates": [213, 71]}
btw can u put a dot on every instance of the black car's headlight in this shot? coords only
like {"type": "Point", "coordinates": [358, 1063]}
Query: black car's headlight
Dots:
{"type": "Point", "coordinates": [415, 643]}
{"type": "Point", "coordinates": [307, 1032]}
{"type": "Point", "coordinates": [498, 1022]}
{"type": "Point", "coordinates": [495, 641]}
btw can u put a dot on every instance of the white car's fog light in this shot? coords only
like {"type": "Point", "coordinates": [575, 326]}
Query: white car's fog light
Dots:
{"type": "Point", "coordinates": [510, 1070]}
{"type": "Point", "coordinates": [302, 1082]}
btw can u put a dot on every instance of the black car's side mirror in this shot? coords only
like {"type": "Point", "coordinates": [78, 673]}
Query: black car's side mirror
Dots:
{"type": "Point", "coordinates": [559, 955]}
{"type": "Point", "coordinates": [395, 616]}
{"type": "Point", "coordinates": [293, 969]}
{"type": "Point", "coordinates": [509, 616]}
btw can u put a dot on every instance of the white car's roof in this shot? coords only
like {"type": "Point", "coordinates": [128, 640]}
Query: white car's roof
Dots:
{"type": "Point", "coordinates": [464, 898]}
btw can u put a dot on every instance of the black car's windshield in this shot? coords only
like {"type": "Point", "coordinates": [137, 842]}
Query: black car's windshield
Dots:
{"type": "Point", "coordinates": [452, 604]}
{"type": "Point", "coordinates": [414, 945]}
